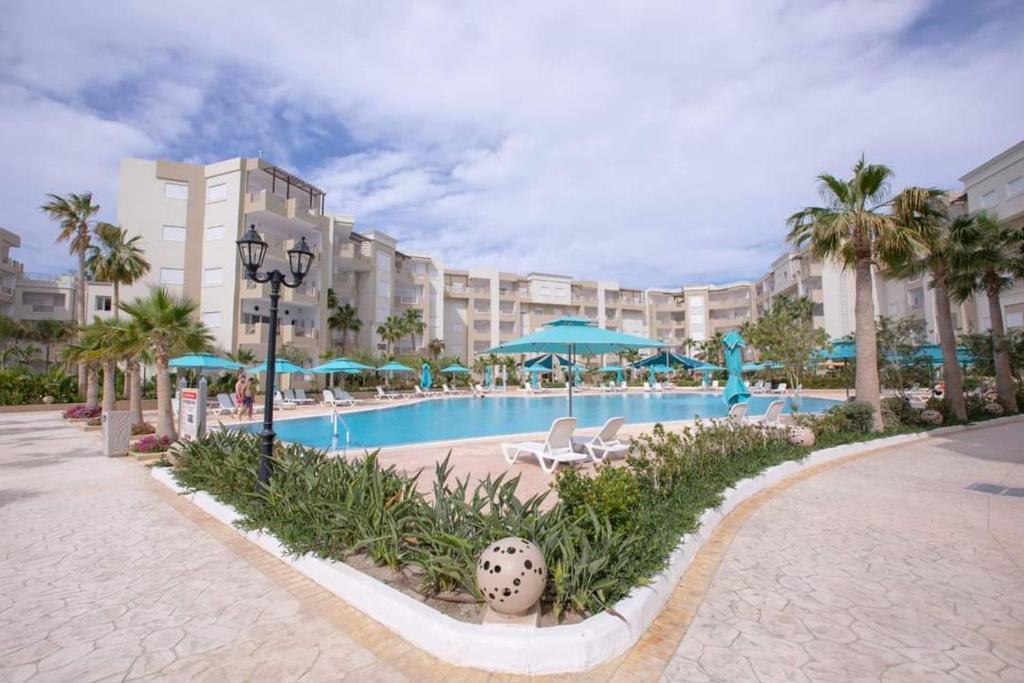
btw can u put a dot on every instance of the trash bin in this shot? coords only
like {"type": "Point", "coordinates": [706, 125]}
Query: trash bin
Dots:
{"type": "Point", "coordinates": [117, 431]}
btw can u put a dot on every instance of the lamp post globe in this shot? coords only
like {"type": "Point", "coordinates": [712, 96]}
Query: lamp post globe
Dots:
{"type": "Point", "coordinates": [252, 249]}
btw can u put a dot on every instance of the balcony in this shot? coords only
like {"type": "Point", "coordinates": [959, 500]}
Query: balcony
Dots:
{"type": "Point", "coordinates": [253, 333]}
{"type": "Point", "coordinates": [456, 288]}
{"type": "Point", "coordinates": [254, 290]}
{"type": "Point", "coordinates": [263, 201]}
{"type": "Point", "coordinates": [9, 265]}
{"type": "Point", "coordinates": [299, 336]}
{"type": "Point", "coordinates": [306, 294]}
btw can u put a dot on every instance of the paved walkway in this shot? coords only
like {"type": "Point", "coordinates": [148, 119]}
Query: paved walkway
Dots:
{"type": "Point", "coordinates": [884, 568]}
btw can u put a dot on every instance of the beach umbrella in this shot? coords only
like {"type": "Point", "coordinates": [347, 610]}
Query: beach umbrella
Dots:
{"type": "Point", "coordinates": [535, 374]}
{"type": "Point", "coordinates": [281, 367]}
{"type": "Point", "coordinates": [394, 367]}
{"type": "Point", "coordinates": [573, 336]}
{"type": "Point", "coordinates": [456, 368]}
{"type": "Point", "coordinates": [735, 390]}
{"type": "Point", "coordinates": [204, 361]}
{"type": "Point", "coordinates": [487, 375]}
{"type": "Point", "coordinates": [577, 370]}
{"type": "Point", "coordinates": [340, 365]}
{"type": "Point", "coordinates": [617, 369]}
{"type": "Point", "coordinates": [669, 359]}
{"type": "Point", "coordinates": [425, 379]}
{"type": "Point", "coordinates": [651, 377]}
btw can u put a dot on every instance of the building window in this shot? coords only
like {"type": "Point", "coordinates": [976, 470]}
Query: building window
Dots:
{"type": "Point", "coordinates": [172, 276]}
{"type": "Point", "coordinates": [211, 319]}
{"type": "Point", "coordinates": [1015, 186]}
{"type": "Point", "coordinates": [213, 277]}
{"type": "Point", "coordinates": [175, 191]}
{"type": "Point", "coordinates": [103, 303]}
{"type": "Point", "coordinates": [988, 200]}
{"type": "Point", "coordinates": [216, 193]}
{"type": "Point", "coordinates": [214, 233]}
{"type": "Point", "coordinates": [174, 233]}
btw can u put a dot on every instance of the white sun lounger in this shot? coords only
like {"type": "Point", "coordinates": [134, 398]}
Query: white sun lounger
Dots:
{"type": "Point", "coordinates": [772, 416]}
{"type": "Point", "coordinates": [554, 450]}
{"type": "Point", "coordinates": [224, 405]}
{"type": "Point", "coordinates": [606, 442]}
{"type": "Point", "coordinates": [282, 403]}
{"type": "Point", "coordinates": [299, 396]}
{"type": "Point", "coordinates": [738, 412]}
{"type": "Point", "coordinates": [781, 389]}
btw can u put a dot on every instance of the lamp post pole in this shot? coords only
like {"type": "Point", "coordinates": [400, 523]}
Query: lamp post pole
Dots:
{"type": "Point", "coordinates": [252, 249]}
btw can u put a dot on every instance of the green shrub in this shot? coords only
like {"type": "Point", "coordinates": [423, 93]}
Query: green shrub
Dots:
{"type": "Point", "coordinates": [23, 386]}
{"type": "Point", "coordinates": [842, 423]}
{"type": "Point", "coordinates": [942, 406]}
{"type": "Point", "coordinates": [897, 412]}
{"type": "Point", "coordinates": [605, 535]}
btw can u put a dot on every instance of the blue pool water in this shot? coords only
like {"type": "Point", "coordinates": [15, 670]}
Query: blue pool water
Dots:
{"type": "Point", "coordinates": [462, 418]}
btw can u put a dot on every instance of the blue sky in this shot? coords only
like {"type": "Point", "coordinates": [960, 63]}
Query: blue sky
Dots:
{"type": "Point", "coordinates": [649, 142]}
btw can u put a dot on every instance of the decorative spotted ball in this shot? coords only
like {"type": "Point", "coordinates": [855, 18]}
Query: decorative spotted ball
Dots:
{"type": "Point", "coordinates": [511, 575]}
{"type": "Point", "coordinates": [932, 417]}
{"type": "Point", "coordinates": [994, 408]}
{"type": "Point", "coordinates": [801, 436]}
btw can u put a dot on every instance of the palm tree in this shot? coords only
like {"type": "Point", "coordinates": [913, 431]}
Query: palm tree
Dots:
{"type": "Point", "coordinates": [344, 319]}
{"type": "Point", "coordinates": [75, 214]}
{"type": "Point", "coordinates": [925, 210]}
{"type": "Point", "coordinates": [243, 356]}
{"type": "Point", "coordinates": [78, 352]}
{"type": "Point", "coordinates": [985, 256]}
{"type": "Point", "coordinates": [856, 228]}
{"type": "Point", "coordinates": [391, 331]}
{"type": "Point", "coordinates": [167, 322]}
{"type": "Point", "coordinates": [12, 332]}
{"type": "Point", "coordinates": [99, 342]}
{"type": "Point", "coordinates": [412, 319]}
{"type": "Point", "coordinates": [117, 259]}
{"type": "Point", "coordinates": [50, 333]}
{"type": "Point", "coordinates": [436, 348]}
{"type": "Point", "coordinates": [132, 345]}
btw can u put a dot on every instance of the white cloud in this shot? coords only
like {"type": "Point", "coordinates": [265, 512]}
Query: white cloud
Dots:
{"type": "Point", "coordinates": [653, 143]}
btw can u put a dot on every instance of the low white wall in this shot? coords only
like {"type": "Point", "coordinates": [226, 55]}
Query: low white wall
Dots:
{"type": "Point", "coordinates": [557, 649]}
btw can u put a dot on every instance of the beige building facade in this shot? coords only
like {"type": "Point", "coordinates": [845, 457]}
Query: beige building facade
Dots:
{"type": "Point", "coordinates": [189, 216]}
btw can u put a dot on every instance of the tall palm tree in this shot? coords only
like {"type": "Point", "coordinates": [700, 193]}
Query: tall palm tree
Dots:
{"type": "Point", "coordinates": [117, 259]}
{"type": "Point", "coordinates": [391, 331]}
{"type": "Point", "coordinates": [436, 348]}
{"type": "Point", "coordinates": [412, 320]}
{"type": "Point", "coordinates": [985, 257]}
{"type": "Point", "coordinates": [168, 323]}
{"type": "Point", "coordinates": [924, 210]}
{"type": "Point", "coordinates": [856, 228]}
{"type": "Point", "coordinates": [344, 319]}
{"type": "Point", "coordinates": [243, 356]}
{"type": "Point", "coordinates": [75, 213]}
{"type": "Point", "coordinates": [12, 332]}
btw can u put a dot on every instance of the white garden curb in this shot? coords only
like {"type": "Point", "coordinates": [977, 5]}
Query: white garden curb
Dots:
{"type": "Point", "coordinates": [557, 649]}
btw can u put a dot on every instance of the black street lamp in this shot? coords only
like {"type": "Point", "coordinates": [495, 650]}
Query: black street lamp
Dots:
{"type": "Point", "coordinates": [252, 249]}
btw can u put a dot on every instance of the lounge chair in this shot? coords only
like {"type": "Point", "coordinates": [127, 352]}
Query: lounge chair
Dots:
{"type": "Point", "coordinates": [419, 391]}
{"type": "Point", "coordinates": [623, 386]}
{"type": "Point", "coordinates": [738, 413]}
{"type": "Point", "coordinates": [757, 387]}
{"type": "Point", "coordinates": [555, 449]}
{"type": "Point", "coordinates": [342, 396]}
{"type": "Point", "coordinates": [281, 402]}
{"type": "Point", "coordinates": [604, 443]}
{"type": "Point", "coordinates": [299, 396]}
{"type": "Point", "coordinates": [337, 398]}
{"type": "Point", "coordinates": [772, 416]}
{"type": "Point", "coordinates": [225, 406]}
{"type": "Point", "coordinates": [781, 389]}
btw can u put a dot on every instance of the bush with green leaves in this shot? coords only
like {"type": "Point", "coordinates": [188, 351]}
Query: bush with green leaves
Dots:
{"type": "Point", "coordinates": [606, 534]}
{"type": "Point", "coordinates": [842, 423]}
{"type": "Point", "coordinates": [24, 386]}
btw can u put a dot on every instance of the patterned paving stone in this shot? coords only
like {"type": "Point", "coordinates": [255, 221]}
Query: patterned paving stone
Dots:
{"type": "Point", "coordinates": [885, 568]}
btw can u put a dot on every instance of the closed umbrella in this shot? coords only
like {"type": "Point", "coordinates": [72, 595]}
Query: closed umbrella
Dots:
{"type": "Point", "coordinates": [617, 369]}
{"type": "Point", "coordinates": [651, 377]}
{"type": "Point", "coordinates": [487, 375]}
{"type": "Point", "coordinates": [735, 390]}
{"type": "Point", "coordinates": [574, 336]}
{"type": "Point", "coordinates": [425, 379]}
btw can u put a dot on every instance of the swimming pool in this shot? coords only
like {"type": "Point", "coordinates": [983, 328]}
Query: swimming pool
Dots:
{"type": "Point", "coordinates": [463, 418]}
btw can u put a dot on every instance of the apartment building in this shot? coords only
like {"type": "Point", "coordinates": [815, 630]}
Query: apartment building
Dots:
{"type": "Point", "coordinates": [189, 216]}
{"type": "Point", "coordinates": [997, 186]}
{"type": "Point", "coordinates": [10, 270]}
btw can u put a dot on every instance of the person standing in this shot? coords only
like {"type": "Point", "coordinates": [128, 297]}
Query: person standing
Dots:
{"type": "Point", "coordinates": [249, 399]}
{"type": "Point", "coordinates": [239, 393]}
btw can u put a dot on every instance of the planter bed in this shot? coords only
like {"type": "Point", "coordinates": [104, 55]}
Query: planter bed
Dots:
{"type": "Point", "coordinates": [555, 649]}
